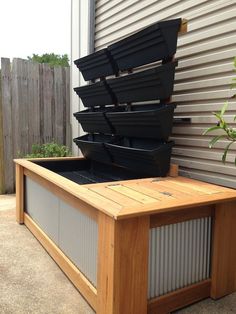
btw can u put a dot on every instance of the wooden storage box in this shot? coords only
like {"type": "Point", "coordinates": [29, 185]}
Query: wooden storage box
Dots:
{"type": "Point", "coordinates": [136, 246]}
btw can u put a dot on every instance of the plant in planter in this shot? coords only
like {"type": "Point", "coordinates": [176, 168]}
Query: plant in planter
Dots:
{"type": "Point", "coordinates": [228, 132]}
{"type": "Point", "coordinates": [48, 150]}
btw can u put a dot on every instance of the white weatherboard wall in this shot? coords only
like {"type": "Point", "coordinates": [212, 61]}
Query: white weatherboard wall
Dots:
{"type": "Point", "coordinates": [203, 76]}
{"type": "Point", "coordinates": [81, 13]}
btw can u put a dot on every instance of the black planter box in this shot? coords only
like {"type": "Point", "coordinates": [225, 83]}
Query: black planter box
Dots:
{"type": "Point", "coordinates": [96, 65]}
{"type": "Point", "coordinates": [94, 121]}
{"type": "Point", "coordinates": [96, 94]}
{"type": "Point", "coordinates": [92, 146]}
{"type": "Point", "coordinates": [146, 121]}
{"type": "Point", "coordinates": [142, 156]}
{"type": "Point", "coordinates": [156, 83]}
{"type": "Point", "coordinates": [153, 43]}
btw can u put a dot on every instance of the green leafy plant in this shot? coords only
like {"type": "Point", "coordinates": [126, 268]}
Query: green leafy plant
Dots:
{"type": "Point", "coordinates": [48, 150]}
{"type": "Point", "coordinates": [228, 132]}
{"type": "Point", "coordinates": [51, 58]}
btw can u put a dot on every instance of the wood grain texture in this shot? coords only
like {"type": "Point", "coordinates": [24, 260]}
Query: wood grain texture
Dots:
{"type": "Point", "coordinates": [47, 96]}
{"type": "Point", "coordinates": [6, 147]}
{"type": "Point", "coordinates": [224, 250]}
{"type": "Point", "coordinates": [147, 188]}
{"type": "Point", "coordinates": [184, 26]}
{"type": "Point", "coordinates": [174, 170]}
{"type": "Point", "coordinates": [122, 265]}
{"type": "Point", "coordinates": [33, 95]}
{"type": "Point", "coordinates": [179, 298]}
{"type": "Point", "coordinates": [169, 218]}
{"type": "Point", "coordinates": [81, 192]}
{"type": "Point", "coordinates": [71, 271]}
{"type": "Point", "coordinates": [19, 194]}
{"type": "Point", "coordinates": [114, 195]}
{"type": "Point", "coordinates": [58, 105]}
{"type": "Point", "coordinates": [30, 96]}
{"type": "Point", "coordinates": [175, 205]}
{"type": "Point", "coordinates": [163, 188]}
{"type": "Point", "coordinates": [147, 196]}
{"type": "Point", "coordinates": [2, 174]}
{"type": "Point", "coordinates": [106, 259]}
{"type": "Point", "coordinates": [132, 193]}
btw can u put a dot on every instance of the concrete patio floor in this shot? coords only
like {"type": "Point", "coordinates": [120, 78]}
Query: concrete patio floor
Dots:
{"type": "Point", "coordinates": [31, 282]}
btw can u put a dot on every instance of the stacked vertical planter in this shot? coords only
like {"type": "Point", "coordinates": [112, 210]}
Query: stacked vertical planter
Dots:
{"type": "Point", "coordinates": [121, 133]}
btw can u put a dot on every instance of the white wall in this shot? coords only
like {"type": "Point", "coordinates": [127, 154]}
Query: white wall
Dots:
{"type": "Point", "coordinates": [80, 46]}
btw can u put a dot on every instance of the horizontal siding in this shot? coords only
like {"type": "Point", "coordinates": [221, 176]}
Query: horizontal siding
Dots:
{"type": "Point", "coordinates": [203, 77]}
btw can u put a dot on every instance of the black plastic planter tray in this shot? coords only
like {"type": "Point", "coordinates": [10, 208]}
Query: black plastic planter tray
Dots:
{"type": "Point", "coordinates": [153, 43]}
{"type": "Point", "coordinates": [97, 64]}
{"type": "Point", "coordinates": [92, 146]}
{"type": "Point", "coordinates": [144, 121]}
{"type": "Point", "coordinates": [147, 157]}
{"type": "Point", "coordinates": [94, 121]}
{"type": "Point", "coordinates": [95, 94]}
{"type": "Point", "coordinates": [85, 171]}
{"type": "Point", "coordinates": [156, 83]}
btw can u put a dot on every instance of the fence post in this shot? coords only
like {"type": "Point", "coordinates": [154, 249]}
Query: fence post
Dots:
{"type": "Point", "coordinates": [7, 136]}
{"type": "Point", "coordinates": [2, 188]}
{"type": "Point", "coordinates": [59, 106]}
{"type": "Point", "coordinates": [33, 104]}
{"type": "Point", "coordinates": [46, 96]}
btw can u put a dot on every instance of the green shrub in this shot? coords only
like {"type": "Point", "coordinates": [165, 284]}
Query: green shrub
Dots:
{"type": "Point", "coordinates": [51, 58]}
{"type": "Point", "coordinates": [48, 150]}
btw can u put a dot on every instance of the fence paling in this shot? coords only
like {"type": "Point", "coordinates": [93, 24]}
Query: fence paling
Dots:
{"type": "Point", "coordinates": [35, 108]}
{"type": "Point", "coordinates": [7, 131]}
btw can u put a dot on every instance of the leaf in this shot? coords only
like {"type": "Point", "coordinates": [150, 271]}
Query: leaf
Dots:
{"type": "Point", "coordinates": [224, 108]}
{"type": "Point", "coordinates": [218, 115]}
{"type": "Point", "coordinates": [214, 140]}
{"type": "Point", "coordinates": [226, 151]}
{"type": "Point", "coordinates": [213, 128]}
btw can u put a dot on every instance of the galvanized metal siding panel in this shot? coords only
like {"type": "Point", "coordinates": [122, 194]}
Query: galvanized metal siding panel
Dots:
{"type": "Point", "coordinates": [70, 229]}
{"type": "Point", "coordinates": [203, 76]}
{"type": "Point", "coordinates": [43, 208]}
{"type": "Point", "coordinates": [78, 239]}
{"type": "Point", "coordinates": [179, 255]}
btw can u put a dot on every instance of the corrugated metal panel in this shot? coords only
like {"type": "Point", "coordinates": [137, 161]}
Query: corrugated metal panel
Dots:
{"type": "Point", "coordinates": [203, 76]}
{"type": "Point", "coordinates": [78, 239]}
{"type": "Point", "coordinates": [179, 255]}
{"type": "Point", "coordinates": [43, 207]}
{"type": "Point", "coordinates": [72, 231]}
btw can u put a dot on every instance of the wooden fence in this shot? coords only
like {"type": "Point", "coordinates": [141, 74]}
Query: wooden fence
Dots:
{"type": "Point", "coordinates": [34, 108]}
